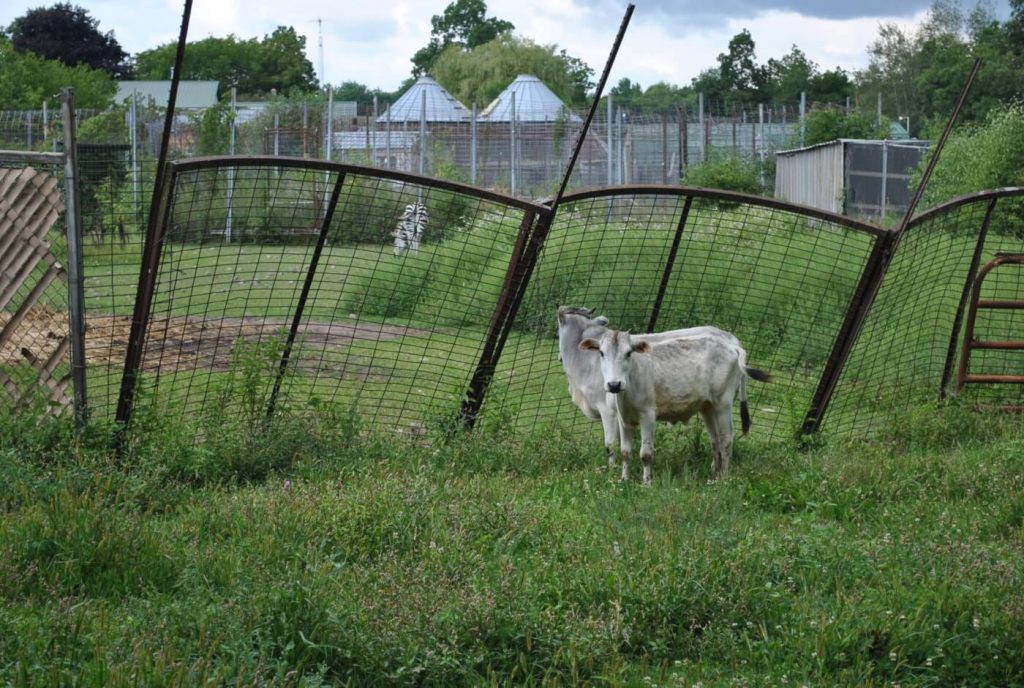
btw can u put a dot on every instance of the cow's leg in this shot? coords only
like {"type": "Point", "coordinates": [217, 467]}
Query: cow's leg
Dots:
{"type": "Point", "coordinates": [726, 433]}
{"type": "Point", "coordinates": [720, 429]}
{"type": "Point", "coordinates": [610, 423]}
{"type": "Point", "coordinates": [707, 414]}
{"type": "Point", "coordinates": [626, 446]}
{"type": "Point", "coordinates": [647, 447]}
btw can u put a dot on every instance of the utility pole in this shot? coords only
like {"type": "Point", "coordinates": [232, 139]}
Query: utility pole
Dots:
{"type": "Point", "coordinates": [320, 48]}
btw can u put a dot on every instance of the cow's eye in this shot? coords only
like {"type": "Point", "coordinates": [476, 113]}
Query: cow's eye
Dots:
{"type": "Point", "coordinates": [628, 354]}
{"type": "Point", "coordinates": [600, 353]}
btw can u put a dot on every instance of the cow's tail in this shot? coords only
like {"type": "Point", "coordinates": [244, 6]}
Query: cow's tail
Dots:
{"type": "Point", "coordinates": [758, 375]}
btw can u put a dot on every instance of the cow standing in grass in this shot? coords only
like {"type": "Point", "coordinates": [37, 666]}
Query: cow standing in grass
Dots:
{"type": "Point", "coordinates": [672, 380]}
{"type": "Point", "coordinates": [583, 369]}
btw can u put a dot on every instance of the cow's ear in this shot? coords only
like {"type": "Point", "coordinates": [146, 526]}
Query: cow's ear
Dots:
{"type": "Point", "coordinates": [601, 320]}
{"type": "Point", "coordinates": [642, 347]}
{"type": "Point", "coordinates": [590, 345]}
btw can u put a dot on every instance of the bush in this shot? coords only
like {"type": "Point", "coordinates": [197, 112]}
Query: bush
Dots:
{"type": "Point", "coordinates": [729, 172]}
{"type": "Point", "coordinates": [979, 156]}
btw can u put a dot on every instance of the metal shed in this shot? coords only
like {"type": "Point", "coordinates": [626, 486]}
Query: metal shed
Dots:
{"type": "Point", "coordinates": [856, 177]}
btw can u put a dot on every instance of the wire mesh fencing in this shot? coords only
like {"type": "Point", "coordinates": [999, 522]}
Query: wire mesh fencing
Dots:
{"type": "Point", "coordinates": [655, 259]}
{"type": "Point", "coordinates": [281, 281]}
{"type": "Point", "coordinates": [911, 345]}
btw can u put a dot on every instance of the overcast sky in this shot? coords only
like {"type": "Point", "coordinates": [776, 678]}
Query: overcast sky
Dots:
{"type": "Point", "coordinates": [668, 40]}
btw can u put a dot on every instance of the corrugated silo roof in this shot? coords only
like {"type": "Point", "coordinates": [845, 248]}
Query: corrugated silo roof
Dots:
{"type": "Point", "coordinates": [535, 102]}
{"type": "Point", "coordinates": [441, 105]}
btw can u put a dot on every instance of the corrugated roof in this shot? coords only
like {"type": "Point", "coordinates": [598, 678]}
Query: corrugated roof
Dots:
{"type": "Point", "coordinates": [535, 102]}
{"type": "Point", "coordinates": [440, 105]}
{"type": "Point", "coordinates": [191, 94]}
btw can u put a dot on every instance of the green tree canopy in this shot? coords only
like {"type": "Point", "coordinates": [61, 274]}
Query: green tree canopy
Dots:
{"type": "Point", "coordinates": [464, 23]}
{"type": "Point", "coordinates": [920, 73]}
{"type": "Point", "coordinates": [254, 67]}
{"type": "Point", "coordinates": [825, 123]}
{"type": "Point", "coordinates": [27, 81]}
{"type": "Point", "coordinates": [479, 75]}
{"type": "Point", "coordinates": [67, 33]}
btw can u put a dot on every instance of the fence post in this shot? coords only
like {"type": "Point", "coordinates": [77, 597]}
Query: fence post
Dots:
{"type": "Point", "coordinates": [73, 228]}
{"type": "Point", "coordinates": [387, 139]}
{"type": "Point", "coordinates": [512, 142]}
{"type": "Point", "coordinates": [611, 138]}
{"type": "Point", "coordinates": [423, 130]}
{"type": "Point", "coordinates": [373, 141]}
{"type": "Point", "coordinates": [803, 117]}
{"type": "Point", "coordinates": [760, 129]}
{"type": "Point", "coordinates": [684, 140]}
{"type": "Point", "coordinates": [330, 122]}
{"type": "Point", "coordinates": [229, 224]}
{"type": "Point", "coordinates": [277, 134]}
{"type": "Point", "coordinates": [133, 139]}
{"type": "Point", "coordinates": [472, 146]}
{"type": "Point", "coordinates": [885, 181]}
{"type": "Point", "coordinates": [664, 148]}
{"type": "Point", "coordinates": [700, 122]}
{"type": "Point", "coordinates": [621, 145]}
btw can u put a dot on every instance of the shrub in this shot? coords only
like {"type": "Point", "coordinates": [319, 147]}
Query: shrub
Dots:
{"type": "Point", "coordinates": [729, 172]}
{"type": "Point", "coordinates": [979, 156]}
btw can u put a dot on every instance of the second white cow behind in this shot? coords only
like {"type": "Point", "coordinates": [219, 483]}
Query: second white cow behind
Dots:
{"type": "Point", "coordinates": [672, 381]}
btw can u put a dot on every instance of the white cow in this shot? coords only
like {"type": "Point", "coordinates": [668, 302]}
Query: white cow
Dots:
{"type": "Point", "coordinates": [583, 369]}
{"type": "Point", "coordinates": [671, 380]}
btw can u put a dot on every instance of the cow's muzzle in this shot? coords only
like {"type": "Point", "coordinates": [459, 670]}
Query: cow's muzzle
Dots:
{"type": "Point", "coordinates": [614, 387]}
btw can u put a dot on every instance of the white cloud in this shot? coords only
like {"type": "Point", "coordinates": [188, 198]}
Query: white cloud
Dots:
{"type": "Point", "coordinates": [372, 42]}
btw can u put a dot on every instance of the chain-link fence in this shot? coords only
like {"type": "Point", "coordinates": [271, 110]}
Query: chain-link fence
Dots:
{"type": "Point", "coordinates": [522, 158]}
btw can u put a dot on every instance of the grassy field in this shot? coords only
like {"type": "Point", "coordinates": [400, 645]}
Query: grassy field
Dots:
{"type": "Point", "coordinates": [310, 551]}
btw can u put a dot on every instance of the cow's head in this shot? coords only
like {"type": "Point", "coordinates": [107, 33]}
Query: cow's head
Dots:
{"type": "Point", "coordinates": [616, 350]}
{"type": "Point", "coordinates": [573, 321]}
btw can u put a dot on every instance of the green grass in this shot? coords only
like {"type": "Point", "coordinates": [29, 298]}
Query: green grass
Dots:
{"type": "Point", "coordinates": [307, 549]}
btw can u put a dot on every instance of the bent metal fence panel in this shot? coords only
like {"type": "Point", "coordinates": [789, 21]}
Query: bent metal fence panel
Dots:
{"type": "Point", "coordinates": [910, 347]}
{"type": "Point", "coordinates": [274, 283]}
{"type": "Point", "coordinates": [271, 281]}
{"type": "Point", "coordinates": [655, 258]}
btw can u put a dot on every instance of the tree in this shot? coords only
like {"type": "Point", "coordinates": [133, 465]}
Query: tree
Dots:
{"type": "Point", "coordinates": [27, 81]}
{"type": "Point", "coordinates": [920, 73]}
{"type": "Point", "coordinates": [988, 155]}
{"type": "Point", "coordinates": [824, 123]}
{"type": "Point", "coordinates": [743, 78]}
{"type": "Point", "coordinates": [254, 67]}
{"type": "Point", "coordinates": [463, 23]}
{"type": "Point", "coordinates": [479, 75]}
{"type": "Point", "coordinates": [626, 93]}
{"type": "Point", "coordinates": [790, 76]}
{"type": "Point", "coordinates": [67, 33]}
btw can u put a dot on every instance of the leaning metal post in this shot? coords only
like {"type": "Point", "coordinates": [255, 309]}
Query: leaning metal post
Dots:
{"type": "Point", "coordinates": [151, 251]}
{"type": "Point", "coordinates": [871, 281]}
{"type": "Point", "coordinates": [524, 259]}
{"type": "Point", "coordinates": [307, 286]}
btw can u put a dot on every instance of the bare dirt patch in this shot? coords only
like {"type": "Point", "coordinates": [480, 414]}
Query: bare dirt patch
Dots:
{"type": "Point", "coordinates": [185, 342]}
